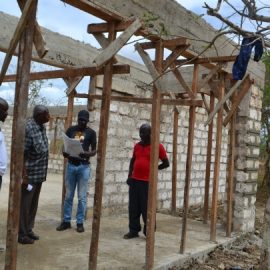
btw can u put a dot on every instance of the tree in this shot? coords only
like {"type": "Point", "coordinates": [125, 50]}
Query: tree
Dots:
{"type": "Point", "coordinates": [244, 18]}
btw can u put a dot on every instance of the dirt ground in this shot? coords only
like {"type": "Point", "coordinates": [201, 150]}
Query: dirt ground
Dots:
{"type": "Point", "coordinates": [70, 250]}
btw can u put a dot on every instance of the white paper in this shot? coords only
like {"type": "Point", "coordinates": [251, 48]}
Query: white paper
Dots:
{"type": "Point", "coordinates": [72, 146]}
{"type": "Point", "coordinates": [29, 187]}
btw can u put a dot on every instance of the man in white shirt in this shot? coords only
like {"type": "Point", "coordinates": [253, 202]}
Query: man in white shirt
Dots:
{"type": "Point", "coordinates": [3, 150]}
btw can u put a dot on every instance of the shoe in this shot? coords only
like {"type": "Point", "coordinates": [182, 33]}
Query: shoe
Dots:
{"type": "Point", "coordinates": [2, 248]}
{"type": "Point", "coordinates": [130, 235]}
{"type": "Point", "coordinates": [80, 228]}
{"type": "Point", "coordinates": [33, 236]}
{"type": "Point", "coordinates": [63, 226]}
{"type": "Point", "coordinates": [25, 240]}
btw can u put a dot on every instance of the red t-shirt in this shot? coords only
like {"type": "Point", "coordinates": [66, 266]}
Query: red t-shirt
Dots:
{"type": "Point", "coordinates": [141, 166]}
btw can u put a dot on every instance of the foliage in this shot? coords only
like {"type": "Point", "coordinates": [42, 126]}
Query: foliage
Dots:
{"type": "Point", "coordinates": [34, 96]}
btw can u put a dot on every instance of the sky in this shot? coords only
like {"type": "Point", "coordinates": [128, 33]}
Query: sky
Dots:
{"type": "Point", "coordinates": [63, 18]}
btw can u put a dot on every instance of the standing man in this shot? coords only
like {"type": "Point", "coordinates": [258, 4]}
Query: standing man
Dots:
{"type": "Point", "coordinates": [3, 150]}
{"type": "Point", "coordinates": [36, 154]}
{"type": "Point", "coordinates": [138, 180]}
{"type": "Point", "coordinates": [78, 171]}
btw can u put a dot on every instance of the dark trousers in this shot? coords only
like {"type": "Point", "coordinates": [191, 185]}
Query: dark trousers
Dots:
{"type": "Point", "coordinates": [29, 205]}
{"type": "Point", "coordinates": [0, 181]}
{"type": "Point", "coordinates": [138, 196]}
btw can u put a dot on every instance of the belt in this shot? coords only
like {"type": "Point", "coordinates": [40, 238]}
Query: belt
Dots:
{"type": "Point", "coordinates": [78, 162]}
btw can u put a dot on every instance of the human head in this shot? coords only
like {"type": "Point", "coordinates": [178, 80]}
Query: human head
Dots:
{"type": "Point", "coordinates": [83, 119]}
{"type": "Point", "coordinates": [145, 133]}
{"type": "Point", "coordinates": [41, 114]}
{"type": "Point", "coordinates": [3, 109]}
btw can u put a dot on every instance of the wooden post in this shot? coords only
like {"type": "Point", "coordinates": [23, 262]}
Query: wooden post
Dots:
{"type": "Point", "coordinates": [208, 162]}
{"type": "Point", "coordinates": [192, 114]}
{"type": "Point", "coordinates": [154, 157]}
{"type": "Point", "coordinates": [18, 135]}
{"type": "Point", "coordinates": [230, 175]}
{"type": "Point", "coordinates": [101, 155]}
{"type": "Point", "coordinates": [174, 161]}
{"type": "Point", "coordinates": [68, 123]}
{"type": "Point", "coordinates": [217, 163]}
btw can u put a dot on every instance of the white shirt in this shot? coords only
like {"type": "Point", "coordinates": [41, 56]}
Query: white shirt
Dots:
{"type": "Point", "coordinates": [3, 154]}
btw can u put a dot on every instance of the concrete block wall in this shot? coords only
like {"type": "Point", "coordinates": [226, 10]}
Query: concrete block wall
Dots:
{"type": "Point", "coordinates": [247, 159]}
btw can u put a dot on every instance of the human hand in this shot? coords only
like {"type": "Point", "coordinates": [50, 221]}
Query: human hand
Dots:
{"type": "Point", "coordinates": [65, 155]}
{"type": "Point", "coordinates": [129, 181]}
{"type": "Point", "coordinates": [84, 155]}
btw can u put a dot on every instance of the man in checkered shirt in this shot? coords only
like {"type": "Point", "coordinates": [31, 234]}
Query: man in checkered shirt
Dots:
{"type": "Point", "coordinates": [36, 153]}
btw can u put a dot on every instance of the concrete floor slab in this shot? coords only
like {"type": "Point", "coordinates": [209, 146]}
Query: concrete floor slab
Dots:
{"type": "Point", "coordinates": [70, 250]}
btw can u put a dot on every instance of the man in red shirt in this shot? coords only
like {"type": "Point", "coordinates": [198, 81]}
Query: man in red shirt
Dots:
{"type": "Point", "coordinates": [138, 180]}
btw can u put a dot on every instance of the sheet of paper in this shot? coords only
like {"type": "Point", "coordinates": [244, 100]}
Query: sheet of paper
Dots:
{"type": "Point", "coordinates": [72, 146]}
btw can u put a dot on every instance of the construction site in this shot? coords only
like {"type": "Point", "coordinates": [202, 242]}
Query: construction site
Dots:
{"type": "Point", "coordinates": [208, 122]}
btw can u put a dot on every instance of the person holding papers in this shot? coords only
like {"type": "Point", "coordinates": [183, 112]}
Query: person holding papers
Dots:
{"type": "Point", "coordinates": [36, 154]}
{"type": "Point", "coordinates": [78, 169]}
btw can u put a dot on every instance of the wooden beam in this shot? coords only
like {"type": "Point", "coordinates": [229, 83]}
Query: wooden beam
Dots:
{"type": "Point", "coordinates": [173, 56]}
{"type": "Point", "coordinates": [230, 174]}
{"type": "Point", "coordinates": [117, 44]}
{"type": "Point", "coordinates": [154, 158]}
{"type": "Point", "coordinates": [96, 10]}
{"type": "Point", "coordinates": [225, 98]}
{"type": "Point", "coordinates": [91, 91]}
{"type": "Point", "coordinates": [214, 209]}
{"type": "Point", "coordinates": [180, 78]}
{"type": "Point", "coordinates": [192, 118]}
{"type": "Point", "coordinates": [18, 138]}
{"type": "Point", "coordinates": [208, 163]}
{"type": "Point", "coordinates": [71, 72]}
{"type": "Point", "coordinates": [245, 88]}
{"type": "Point", "coordinates": [151, 68]}
{"type": "Point", "coordinates": [101, 157]}
{"type": "Point", "coordinates": [170, 44]}
{"type": "Point", "coordinates": [206, 60]}
{"type": "Point", "coordinates": [96, 28]}
{"type": "Point", "coordinates": [73, 84]}
{"type": "Point", "coordinates": [174, 160]}
{"type": "Point", "coordinates": [103, 42]}
{"type": "Point", "coordinates": [16, 36]}
{"type": "Point", "coordinates": [39, 42]}
{"type": "Point", "coordinates": [209, 76]}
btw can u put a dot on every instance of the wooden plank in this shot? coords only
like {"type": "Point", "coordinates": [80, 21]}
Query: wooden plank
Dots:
{"type": "Point", "coordinates": [175, 42]}
{"type": "Point", "coordinates": [96, 28]}
{"type": "Point", "coordinates": [18, 137]}
{"type": "Point", "coordinates": [209, 76]}
{"type": "Point", "coordinates": [245, 88]}
{"type": "Point", "coordinates": [91, 91]}
{"type": "Point", "coordinates": [71, 72]}
{"type": "Point", "coordinates": [208, 163]}
{"type": "Point", "coordinates": [73, 84]}
{"type": "Point", "coordinates": [180, 78]}
{"type": "Point", "coordinates": [205, 103]}
{"type": "Point", "coordinates": [96, 10]}
{"type": "Point", "coordinates": [117, 44]}
{"type": "Point", "coordinates": [183, 102]}
{"type": "Point", "coordinates": [217, 163]}
{"type": "Point", "coordinates": [39, 42]}
{"type": "Point", "coordinates": [230, 174]}
{"type": "Point", "coordinates": [103, 42]}
{"type": "Point", "coordinates": [151, 68]}
{"type": "Point", "coordinates": [16, 36]}
{"type": "Point", "coordinates": [173, 56]}
{"type": "Point", "coordinates": [192, 116]}
{"type": "Point", "coordinates": [154, 157]}
{"type": "Point", "coordinates": [174, 160]}
{"type": "Point", "coordinates": [225, 98]}
{"type": "Point", "coordinates": [205, 60]}
{"type": "Point", "coordinates": [101, 157]}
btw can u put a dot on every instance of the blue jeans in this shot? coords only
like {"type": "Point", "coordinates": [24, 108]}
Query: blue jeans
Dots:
{"type": "Point", "coordinates": [76, 176]}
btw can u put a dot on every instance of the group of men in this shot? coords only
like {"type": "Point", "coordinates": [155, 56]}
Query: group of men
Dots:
{"type": "Point", "coordinates": [78, 172]}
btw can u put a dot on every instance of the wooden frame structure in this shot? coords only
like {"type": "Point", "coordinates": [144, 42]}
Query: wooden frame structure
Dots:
{"type": "Point", "coordinates": [28, 33]}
